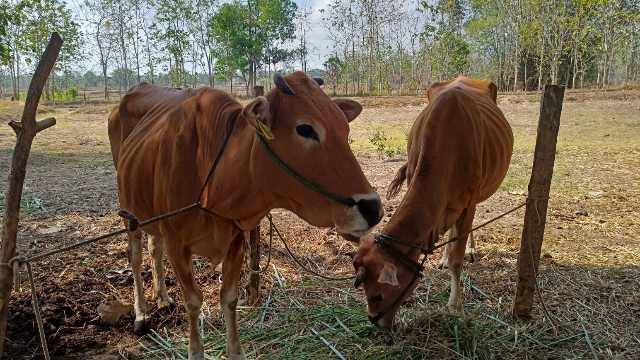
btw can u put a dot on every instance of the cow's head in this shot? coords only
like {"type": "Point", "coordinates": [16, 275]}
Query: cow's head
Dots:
{"type": "Point", "coordinates": [309, 133]}
{"type": "Point", "coordinates": [386, 281]}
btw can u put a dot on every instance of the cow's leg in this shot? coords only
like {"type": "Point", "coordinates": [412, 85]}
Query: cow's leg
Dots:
{"type": "Point", "coordinates": [444, 262]}
{"type": "Point", "coordinates": [231, 266]}
{"type": "Point", "coordinates": [156, 249]}
{"type": "Point", "coordinates": [470, 254]}
{"type": "Point", "coordinates": [134, 253]}
{"type": "Point", "coordinates": [183, 267]}
{"type": "Point", "coordinates": [456, 259]}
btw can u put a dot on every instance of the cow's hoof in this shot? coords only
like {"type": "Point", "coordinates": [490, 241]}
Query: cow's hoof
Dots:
{"type": "Point", "coordinates": [141, 326]}
{"type": "Point", "coordinates": [199, 356]}
{"type": "Point", "coordinates": [443, 264]}
{"type": "Point", "coordinates": [166, 305]}
{"type": "Point", "coordinates": [455, 309]}
{"type": "Point", "coordinates": [237, 357]}
{"type": "Point", "coordinates": [471, 255]}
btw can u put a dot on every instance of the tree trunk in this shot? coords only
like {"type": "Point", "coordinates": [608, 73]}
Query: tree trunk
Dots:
{"type": "Point", "coordinates": [575, 68]}
{"type": "Point", "coordinates": [123, 48]}
{"type": "Point", "coordinates": [540, 68]}
{"type": "Point", "coordinates": [525, 73]}
{"type": "Point", "coordinates": [515, 69]}
{"type": "Point", "coordinates": [251, 79]}
{"type": "Point", "coordinates": [566, 80]}
{"type": "Point", "coordinates": [106, 82]}
{"type": "Point", "coordinates": [14, 80]}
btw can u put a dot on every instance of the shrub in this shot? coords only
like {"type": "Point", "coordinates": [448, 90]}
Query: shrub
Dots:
{"type": "Point", "coordinates": [378, 140]}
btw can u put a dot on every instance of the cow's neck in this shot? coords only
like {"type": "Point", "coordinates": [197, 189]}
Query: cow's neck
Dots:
{"type": "Point", "coordinates": [238, 188]}
{"type": "Point", "coordinates": [416, 219]}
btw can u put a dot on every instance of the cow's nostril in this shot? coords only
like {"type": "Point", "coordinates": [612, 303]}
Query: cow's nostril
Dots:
{"type": "Point", "coordinates": [373, 320]}
{"type": "Point", "coordinates": [371, 210]}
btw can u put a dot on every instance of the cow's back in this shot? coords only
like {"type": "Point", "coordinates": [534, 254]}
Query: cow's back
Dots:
{"type": "Point", "coordinates": [497, 136]}
{"type": "Point", "coordinates": [141, 100]}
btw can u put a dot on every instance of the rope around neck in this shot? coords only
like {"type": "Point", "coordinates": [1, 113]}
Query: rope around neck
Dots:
{"type": "Point", "coordinates": [414, 266]}
{"type": "Point", "coordinates": [303, 181]}
{"type": "Point", "coordinates": [456, 238]}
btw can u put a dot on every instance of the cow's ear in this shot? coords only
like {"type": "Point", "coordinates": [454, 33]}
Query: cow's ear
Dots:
{"type": "Point", "coordinates": [350, 108]}
{"type": "Point", "coordinates": [388, 275]}
{"type": "Point", "coordinates": [493, 92]}
{"type": "Point", "coordinates": [257, 114]}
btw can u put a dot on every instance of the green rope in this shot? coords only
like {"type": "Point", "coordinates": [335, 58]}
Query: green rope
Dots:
{"type": "Point", "coordinates": [305, 182]}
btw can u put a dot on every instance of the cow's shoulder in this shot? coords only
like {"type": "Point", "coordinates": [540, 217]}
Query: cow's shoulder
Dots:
{"type": "Point", "coordinates": [473, 87]}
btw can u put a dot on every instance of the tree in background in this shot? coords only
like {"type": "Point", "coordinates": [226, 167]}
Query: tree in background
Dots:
{"type": "Point", "coordinates": [205, 9]}
{"type": "Point", "coordinates": [333, 67]}
{"type": "Point", "coordinates": [44, 17]}
{"type": "Point", "coordinates": [231, 34]}
{"type": "Point", "coordinates": [102, 33]}
{"type": "Point", "coordinates": [251, 34]}
{"type": "Point", "coordinates": [11, 15]}
{"type": "Point", "coordinates": [171, 31]}
{"type": "Point", "coordinates": [303, 27]}
{"type": "Point", "coordinates": [378, 47]}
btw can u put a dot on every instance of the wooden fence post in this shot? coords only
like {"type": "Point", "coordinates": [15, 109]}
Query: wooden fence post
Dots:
{"type": "Point", "coordinates": [254, 242]}
{"type": "Point", "coordinates": [25, 130]}
{"type": "Point", "coordinates": [254, 263]}
{"type": "Point", "coordinates": [539, 186]}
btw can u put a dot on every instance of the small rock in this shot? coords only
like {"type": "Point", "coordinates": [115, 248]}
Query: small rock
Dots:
{"type": "Point", "coordinates": [582, 212]}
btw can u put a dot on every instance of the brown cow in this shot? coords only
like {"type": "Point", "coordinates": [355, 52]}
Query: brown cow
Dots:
{"type": "Point", "coordinates": [164, 142]}
{"type": "Point", "coordinates": [459, 152]}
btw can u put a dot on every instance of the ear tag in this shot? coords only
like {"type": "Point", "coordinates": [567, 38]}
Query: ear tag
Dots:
{"type": "Point", "coordinates": [264, 129]}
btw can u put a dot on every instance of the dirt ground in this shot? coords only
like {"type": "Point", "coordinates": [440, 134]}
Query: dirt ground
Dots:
{"type": "Point", "coordinates": [589, 267]}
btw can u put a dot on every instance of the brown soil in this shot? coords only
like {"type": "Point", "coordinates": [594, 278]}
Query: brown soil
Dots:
{"type": "Point", "coordinates": [588, 270]}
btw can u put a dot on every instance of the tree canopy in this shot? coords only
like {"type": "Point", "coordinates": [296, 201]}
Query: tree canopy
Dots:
{"type": "Point", "coordinates": [375, 46]}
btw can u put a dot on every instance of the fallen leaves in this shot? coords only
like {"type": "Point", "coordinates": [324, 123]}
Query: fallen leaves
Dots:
{"type": "Point", "coordinates": [111, 313]}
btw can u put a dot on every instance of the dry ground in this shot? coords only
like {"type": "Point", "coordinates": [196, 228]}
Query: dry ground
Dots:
{"type": "Point", "coordinates": [589, 268]}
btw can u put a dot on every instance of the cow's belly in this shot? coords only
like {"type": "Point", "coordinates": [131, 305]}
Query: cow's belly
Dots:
{"type": "Point", "coordinates": [497, 151]}
{"type": "Point", "coordinates": [197, 232]}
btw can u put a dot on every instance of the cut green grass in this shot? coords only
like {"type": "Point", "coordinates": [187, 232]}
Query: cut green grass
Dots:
{"type": "Point", "coordinates": [320, 320]}
{"type": "Point", "coordinates": [29, 204]}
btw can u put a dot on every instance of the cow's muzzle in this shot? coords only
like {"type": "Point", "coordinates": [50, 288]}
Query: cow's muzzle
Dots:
{"type": "Point", "coordinates": [371, 210]}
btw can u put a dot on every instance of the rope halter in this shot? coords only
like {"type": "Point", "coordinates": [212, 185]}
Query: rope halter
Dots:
{"type": "Point", "coordinates": [303, 181]}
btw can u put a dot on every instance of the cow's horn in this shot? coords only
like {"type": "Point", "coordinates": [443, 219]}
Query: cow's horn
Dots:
{"type": "Point", "coordinates": [359, 278]}
{"type": "Point", "coordinates": [319, 81]}
{"type": "Point", "coordinates": [281, 84]}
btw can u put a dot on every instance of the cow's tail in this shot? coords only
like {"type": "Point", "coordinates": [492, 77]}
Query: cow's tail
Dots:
{"type": "Point", "coordinates": [396, 184]}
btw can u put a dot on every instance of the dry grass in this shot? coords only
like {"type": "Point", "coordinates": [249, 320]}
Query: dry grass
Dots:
{"type": "Point", "coordinates": [588, 276]}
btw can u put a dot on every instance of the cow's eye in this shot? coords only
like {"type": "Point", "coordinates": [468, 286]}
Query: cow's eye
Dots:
{"type": "Point", "coordinates": [306, 131]}
{"type": "Point", "coordinates": [376, 298]}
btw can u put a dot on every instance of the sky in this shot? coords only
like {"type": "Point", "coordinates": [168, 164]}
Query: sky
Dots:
{"type": "Point", "coordinates": [317, 35]}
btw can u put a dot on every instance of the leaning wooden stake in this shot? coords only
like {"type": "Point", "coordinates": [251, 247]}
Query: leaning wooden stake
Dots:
{"type": "Point", "coordinates": [539, 186]}
{"type": "Point", "coordinates": [25, 130]}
